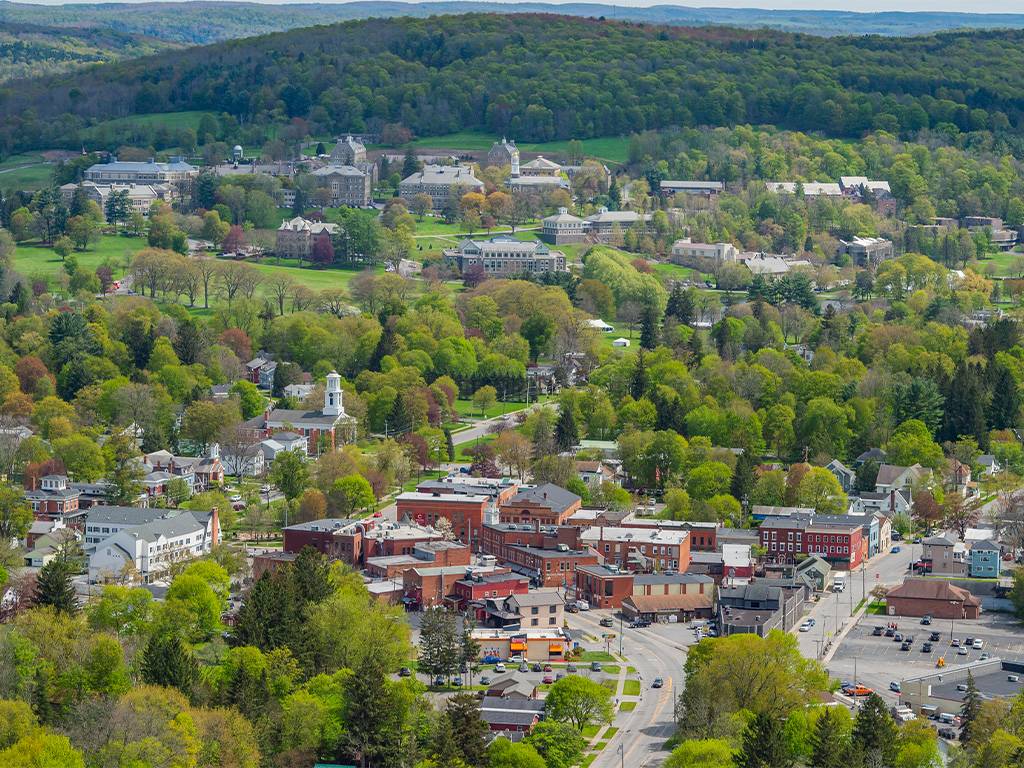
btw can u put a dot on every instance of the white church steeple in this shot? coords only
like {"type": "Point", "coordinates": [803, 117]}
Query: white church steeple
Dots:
{"type": "Point", "coordinates": [332, 396]}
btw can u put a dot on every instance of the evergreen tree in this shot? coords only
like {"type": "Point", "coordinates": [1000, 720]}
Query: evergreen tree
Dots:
{"type": "Point", "coordinates": [166, 661]}
{"type": "Point", "coordinates": [680, 304]}
{"type": "Point", "coordinates": [969, 710]}
{"type": "Point", "coordinates": [875, 732]}
{"type": "Point", "coordinates": [639, 382]}
{"type": "Point", "coordinates": [450, 443]}
{"type": "Point", "coordinates": [649, 327]}
{"type": "Point", "coordinates": [300, 202]}
{"type": "Point", "coordinates": [1005, 403]}
{"type": "Point", "coordinates": [205, 196]}
{"type": "Point", "coordinates": [188, 342]}
{"type": "Point", "coordinates": [439, 643]}
{"type": "Point", "coordinates": [614, 195]}
{"type": "Point", "coordinates": [41, 703]}
{"type": "Point", "coordinates": [410, 164]}
{"type": "Point", "coordinates": [763, 745]}
{"type": "Point", "coordinates": [399, 421]}
{"type": "Point", "coordinates": [249, 692]}
{"type": "Point", "coordinates": [966, 403]}
{"type": "Point", "coordinates": [312, 574]}
{"type": "Point", "coordinates": [830, 745]}
{"type": "Point", "coordinates": [743, 476]}
{"type": "Point", "coordinates": [469, 730]}
{"type": "Point", "coordinates": [268, 618]}
{"type": "Point", "coordinates": [567, 434]}
{"type": "Point", "coordinates": [445, 747]}
{"type": "Point", "coordinates": [55, 588]}
{"type": "Point", "coordinates": [374, 715]}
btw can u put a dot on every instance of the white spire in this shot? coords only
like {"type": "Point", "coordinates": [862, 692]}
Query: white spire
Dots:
{"type": "Point", "coordinates": [332, 395]}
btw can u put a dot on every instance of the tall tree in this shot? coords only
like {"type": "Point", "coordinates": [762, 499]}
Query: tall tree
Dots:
{"type": "Point", "coordinates": [764, 745]}
{"type": "Point", "coordinates": [649, 327]}
{"type": "Point", "coordinates": [374, 714]}
{"type": "Point", "coordinates": [167, 661]}
{"type": "Point", "coordinates": [54, 586]}
{"type": "Point", "coordinates": [830, 740]}
{"type": "Point", "coordinates": [469, 730]}
{"type": "Point", "coordinates": [123, 471]}
{"type": "Point", "coordinates": [639, 381]}
{"type": "Point", "coordinates": [874, 732]}
{"type": "Point", "coordinates": [567, 434]}
{"type": "Point", "coordinates": [969, 710]}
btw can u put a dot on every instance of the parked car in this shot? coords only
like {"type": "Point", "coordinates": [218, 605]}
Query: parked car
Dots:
{"type": "Point", "coordinates": [812, 622]}
{"type": "Point", "coordinates": [926, 648]}
{"type": "Point", "coordinates": [935, 637]}
{"type": "Point", "coordinates": [583, 605]}
{"type": "Point", "coordinates": [962, 651]}
{"type": "Point", "coordinates": [658, 682]}
{"type": "Point", "coordinates": [491, 659]}
{"type": "Point", "coordinates": [485, 680]}
{"type": "Point", "coordinates": [571, 608]}
{"type": "Point", "coordinates": [905, 646]}
{"type": "Point", "coordinates": [897, 638]}
{"type": "Point", "coordinates": [595, 666]}
{"type": "Point", "coordinates": [969, 642]}
{"type": "Point", "coordinates": [857, 690]}
{"type": "Point", "coordinates": [537, 667]}
{"type": "Point", "coordinates": [877, 631]}
{"type": "Point", "coordinates": [978, 644]}
{"type": "Point", "coordinates": [984, 657]}
{"type": "Point", "coordinates": [805, 627]}
{"type": "Point", "coordinates": [947, 733]}
{"type": "Point", "coordinates": [889, 632]}
{"type": "Point", "coordinates": [404, 672]}
{"type": "Point", "coordinates": [894, 686]}
{"type": "Point", "coordinates": [955, 642]}
{"type": "Point", "coordinates": [547, 667]}
{"type": "Point", "coordinates": [524, 667]}
{"type": "Point", "coordinates": [570, 668]}
{"type": "Point", "coordinates": [638, 623]}
{"type": "Point", "coordinates": [439, 680]}
{"type": "Point", "coordinates": [499, 667]}
{"type": "Point", "coordinates": [607, 621]}
{"type": "Point", "coordinates": [457, 681]}
{"type": "Point", "coordinates": [516, 658]}
{"type": "Point", "coordinates": [926, 619]}
{"type": "Point", "coordinates": [548, 679]}
{"type": "Point", "coordinates": [896, 550]}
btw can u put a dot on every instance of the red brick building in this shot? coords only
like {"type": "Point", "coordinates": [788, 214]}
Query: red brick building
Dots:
{"type": "Point", "coordinates": [464, 512]}
{"type": "Point", "coordinates": [641, 549]}
{"type": "Point", "coordinates": [429, 586]}
{"type": "Point", "coordinates": [603, 587]}
{"type": "Point", "coordinates": [478, 588]}
{"type": "Point", "coordinates": [837, 539]}
{"type": "Point", "coordinates": [546, 504]}
{"type": "Point", "coordinates": [550, 567]}
{"type": "Point", "coordinates": [934, 597]}
{"type": "Point", "coordinates": [498, 539]}
{"type": "Point", "coordinates": [356, 541]}
{"type": "Point", "coordinates": [53, 498]}
{"type": "Point", "coordinates": [436, 553]}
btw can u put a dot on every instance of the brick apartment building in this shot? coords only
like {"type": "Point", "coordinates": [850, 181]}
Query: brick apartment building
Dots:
{"type": "Point", "coordinates": [640, 549]}
{"type": "Point", "coordinates": [430, 586]}
{"type": "Point", "coordinates": [476, 588]}
{"type": "Point", "coordinates": [546, 504]}
{"type": "Point", "coordinates": [555, 567]}
{"type": "Point", "coordinates": [465, 512]}
{"type": "Point", "coordinates": [837, 539]}
{"type": "Point", "coordinates": [497, 539]}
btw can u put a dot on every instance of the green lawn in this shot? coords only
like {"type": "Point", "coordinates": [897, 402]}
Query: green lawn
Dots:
{"type": "Point", "coordinates": [34, 260]}
{"type": "Point", "coordinates": [466, 409]}
{"type": "Point", "coordinates": [460, 450]}
{"type": "Point", "coordinates": [601, 745]}
{"type": "Point", "coordinates": [314, 279]}
{"type": "Point", "coordinates": [612, 730]}
{"type": "Point", "coordinates": [590, 731]}
{"type": "Point", "coordinates": [25, 172]}
{"type": "Point", "coordinates": [627, 706]}
{"type": "Point", "coordinates": [172, 120]}
{"type": "Point", "coordinates": [1002, 261]}
{"type": "Point", "coordinates": [611, 669]}
{"type": "Point", "coordinates": [597, 656]}
{"type": "Point", "coordinates": [631, 688]}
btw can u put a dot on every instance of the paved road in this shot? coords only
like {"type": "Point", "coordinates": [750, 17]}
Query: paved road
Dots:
{"type": "Point", "coordinates": [482, 428]}
{"type": "Point", "coordinates": [834, 609]}
{"type": "Point", "coordinates": [655, 652]}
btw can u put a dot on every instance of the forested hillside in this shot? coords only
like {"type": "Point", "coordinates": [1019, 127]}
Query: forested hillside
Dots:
{"type": "Point", "coordinates": [544, 77]}
{"type": "Point", "coordinates": [207, 22]}
{"type": "Point", "coordinates": [29, 50]}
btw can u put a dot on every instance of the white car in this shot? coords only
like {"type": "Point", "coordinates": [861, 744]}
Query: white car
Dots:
{"type": "Point", "coordinates": [962, 650]}
{"type": "Point", "coordinates": [805, 627]}
{"type": "Point", "coordinates": [978, 644]}
{"type": "Point", "coordinates": [236, 497]}
{"type": "Point", "coordinates": [499, 667]}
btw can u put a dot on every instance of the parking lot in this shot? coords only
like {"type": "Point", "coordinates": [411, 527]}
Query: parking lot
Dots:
{"type": "Point", "coordinates": [877, 661]}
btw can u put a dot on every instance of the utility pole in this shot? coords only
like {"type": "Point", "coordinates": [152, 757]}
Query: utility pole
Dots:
{"type": "Point", "coordinates": [620, 633]}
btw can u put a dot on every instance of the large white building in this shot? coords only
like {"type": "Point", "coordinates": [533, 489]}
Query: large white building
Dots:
{"type": "Point", "coordinates": [140, 196]}
{"type": "Point", "coordinates": [504, 256]}
{"type": "Point", "coordinates": [148, 172]}
{"type": "Point", "coordinates": [141, 544]}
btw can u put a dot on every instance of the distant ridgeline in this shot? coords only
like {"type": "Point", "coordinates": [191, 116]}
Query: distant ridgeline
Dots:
{"type": "Point", "coordinates": [541, 78]}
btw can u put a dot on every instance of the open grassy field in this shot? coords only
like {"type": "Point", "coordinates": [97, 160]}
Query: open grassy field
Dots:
{"type": "Point", "coordinates": [34, 260]}
{"type": "Point", "coordinates": [173, 120]}
{"type": "Point", "coordinates": [314, 279]}
{"type": "Point", "coordinates": [25, 172]}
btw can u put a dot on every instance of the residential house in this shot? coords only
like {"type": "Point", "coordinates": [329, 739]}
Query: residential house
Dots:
{"type": "Point", "coordinates": [594, 473]}
{"type": "Point", "coordinates": [47, 546]}
{"type": "Point", "coordinates": [888, 503]}
{"type": "Point", "coordinates": [147, 552]}
{"type": "Point", "coordinates": [989, 464]}
{"type": "Point", "coordinates": [510, 715]}
{"type": "Point", "coordinates": [958, 478]}
{"type": "Point", "coordinates": [895, 478]}
{"type": "Point", "coordinates": [323, 429]}
{"type": "Point", "coordinates": [984, 560]}
{"type": "Point", "coordinates": [946, 553]}
{"type": "Point", "coordinates": [871, 454]}
{"type": "Point", "coordinates": [847, 477]}
{"type": "Point", "coordinates": [260, 371]}
{"type": "Point", "coordinates": [54, 499]}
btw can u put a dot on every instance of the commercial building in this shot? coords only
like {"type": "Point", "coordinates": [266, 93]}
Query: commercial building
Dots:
{"type": "Point", "coordinates": [533, 644]}
{"type": "Point", "coordinates": [932, 597]}
{"type": "Point", "coordinates": [430, 586]}
{"type": "Point", "coordinates": [546, 505]}
{"type": "Point", "coordinates": [759, 607]}
{"type": "Point", "coordinates": [499, 539]}
{"type": "Point", "coordinates": [609, 587]}
{"type": "Point", "coordinates": [504, 256]}
{"type": "Point", "coordinates": [464, 512]}
{"type": "Point", "coordinates": [837, 539]}
{"type": "Point", "coordinates": [943, 692]}
{"type": "Point", "coordinates": [475, 588]}
{"type": "Point", "coordinates": [640, 549]}
{"type": "Point", "coordinates": [441, 182]}
{"type": "Point", "coordinates": [555, 567]}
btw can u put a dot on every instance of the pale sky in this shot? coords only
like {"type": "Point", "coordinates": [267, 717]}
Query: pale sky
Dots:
{"type": "Point", "coordinates": [862, 6]}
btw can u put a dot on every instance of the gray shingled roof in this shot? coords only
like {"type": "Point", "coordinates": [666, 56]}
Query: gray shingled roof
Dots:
{"type": "Point", "coordinates": [548, 495]}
